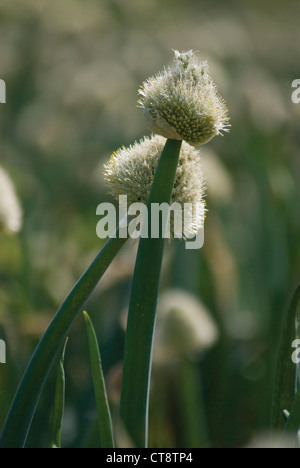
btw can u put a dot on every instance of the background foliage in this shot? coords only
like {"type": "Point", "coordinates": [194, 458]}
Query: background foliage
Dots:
{"type": "Point", "coordinates": [72, 70]}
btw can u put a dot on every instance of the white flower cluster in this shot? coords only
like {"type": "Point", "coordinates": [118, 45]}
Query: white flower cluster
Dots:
{"type": "Point", "coordinates": [183, 103]}
{"type": "Point", "coordinates": [130, 171]}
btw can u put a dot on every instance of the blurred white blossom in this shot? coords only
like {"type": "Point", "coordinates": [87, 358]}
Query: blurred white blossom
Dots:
{"type": "Point", "coordinates": [10, 209]}
{"type": "Point", "coordinates": [272, 441]}
{"type": "Point", "coordinates": [219, 182]}
{"type": "Point", "coordinates": [184, 326]}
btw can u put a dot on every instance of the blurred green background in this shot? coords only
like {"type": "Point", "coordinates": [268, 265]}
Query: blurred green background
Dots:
{"type": "Point", "coordinates": [72, 71]}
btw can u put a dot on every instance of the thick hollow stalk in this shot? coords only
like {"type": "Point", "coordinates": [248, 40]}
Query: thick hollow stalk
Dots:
{"type": "Point", "coordinates": [142, 309]}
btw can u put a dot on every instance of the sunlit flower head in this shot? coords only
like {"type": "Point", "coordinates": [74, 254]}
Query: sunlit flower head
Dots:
{"type": "Point", "coordinates": [10, 210]}
{"type": "Point", "coordinates": [130, 171]}
{"type": "Point", "coordinates": [183, 103]}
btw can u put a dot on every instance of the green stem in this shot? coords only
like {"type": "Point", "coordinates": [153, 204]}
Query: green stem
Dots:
{"type": "Point", "coordinates": [285, 381]}
{"type": "Point", "coordinates": [59, 403]}
{"type": "Point", "coordinates": [20, 416]}
{"type": "Point", "coordinates": [293, 423]}
{"type": "Point", "coordinates": [193, 424]}
{"type": "Point", "coordinates": [142, 309]}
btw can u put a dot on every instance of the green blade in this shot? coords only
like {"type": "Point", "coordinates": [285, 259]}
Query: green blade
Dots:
{"type": "Point", "coordinates": [293, 422]}
{"type": "Point", "coordinates": [20, 416]}
{"type": "Point", "coordinates": [286, 372]}
{"type": "Point", "coordinates": [191, 405]}
{"type": "Point", "coordinates": [104, 417]}
{"type": "Point", "coordinates": [59, 403]}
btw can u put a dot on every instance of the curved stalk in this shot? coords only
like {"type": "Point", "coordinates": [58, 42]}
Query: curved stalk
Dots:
{"type": "Point", "coordinates": [20, 416]}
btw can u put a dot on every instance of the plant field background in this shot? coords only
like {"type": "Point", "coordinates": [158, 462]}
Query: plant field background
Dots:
{"type": "Point", "coordinates": [72, 71]}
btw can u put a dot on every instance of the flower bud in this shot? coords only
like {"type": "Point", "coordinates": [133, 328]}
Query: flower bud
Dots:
{"type": "Point", "coordinates": [183, 103]}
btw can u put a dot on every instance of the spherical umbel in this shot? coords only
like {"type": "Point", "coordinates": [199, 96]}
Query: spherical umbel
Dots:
{"type": "Point", "coordinates": [130, 171]}
{"type": "Point", "coordinates": [183, 103]}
